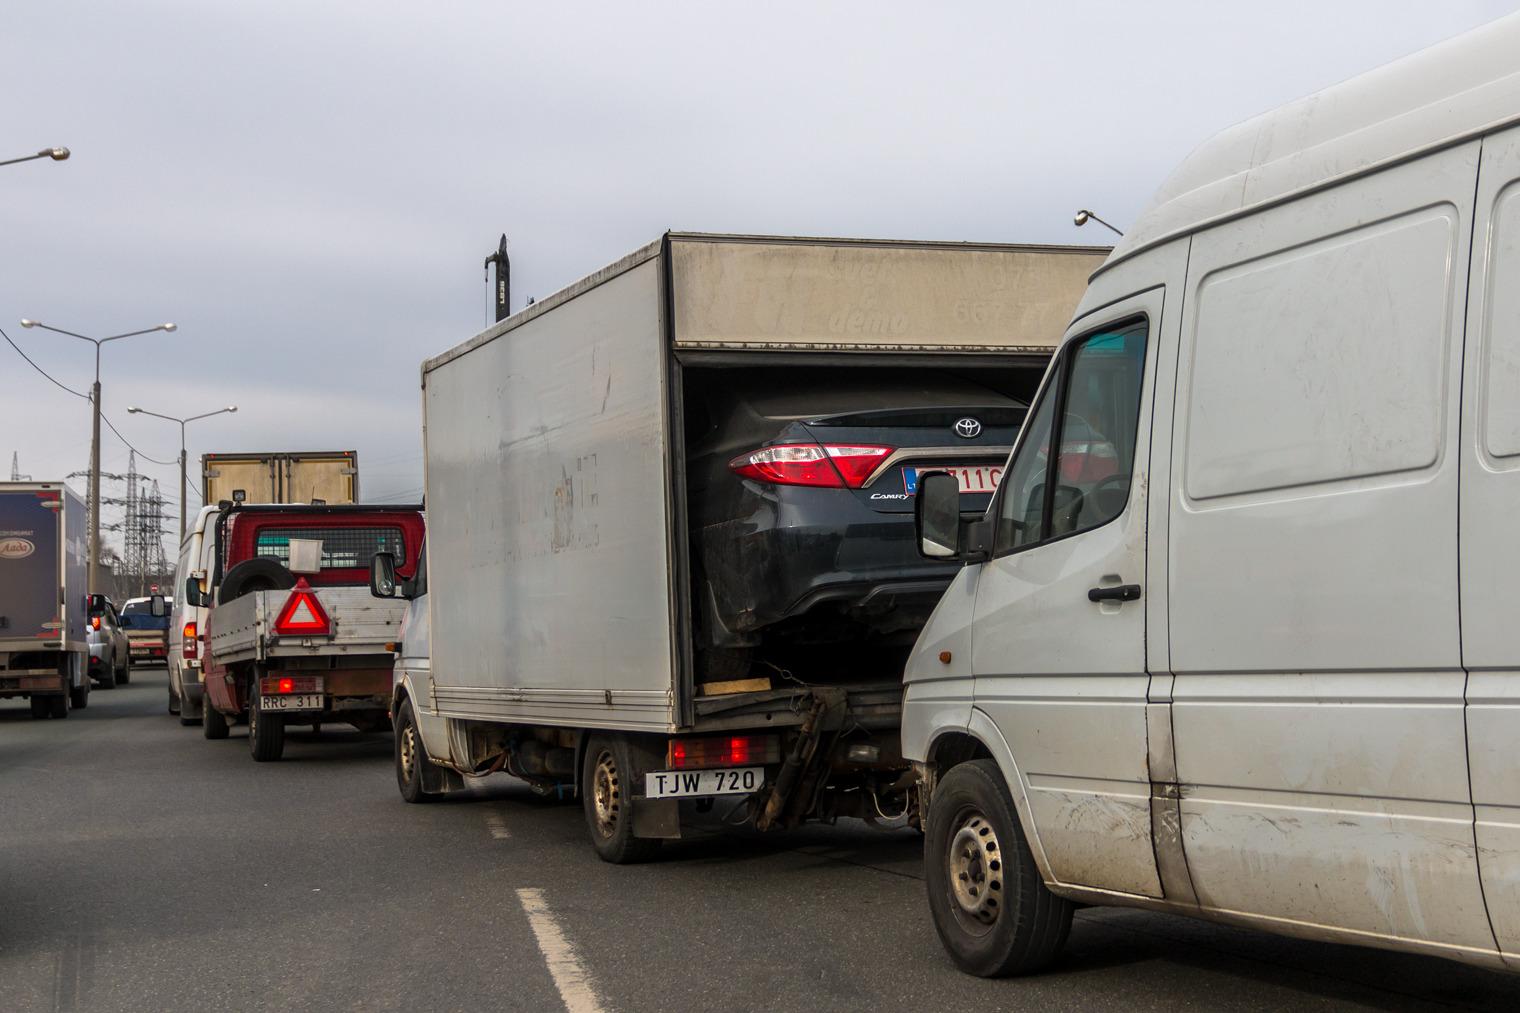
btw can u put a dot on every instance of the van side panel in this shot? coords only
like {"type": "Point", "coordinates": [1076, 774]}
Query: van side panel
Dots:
{"type": "Point", "coordinates": [1318, 699]}
{"type": "Point", "coordinates": [547, 512]}
{"type": "Point", "coordinates": [1490, 534]}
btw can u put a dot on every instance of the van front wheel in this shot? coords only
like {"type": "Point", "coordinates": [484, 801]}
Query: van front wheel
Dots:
{"type": "Point", "coordinates": [991, 909]}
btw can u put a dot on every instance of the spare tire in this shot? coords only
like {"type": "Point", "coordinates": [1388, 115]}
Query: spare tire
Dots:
{"type": "Point", "coordinates": [259, 574]}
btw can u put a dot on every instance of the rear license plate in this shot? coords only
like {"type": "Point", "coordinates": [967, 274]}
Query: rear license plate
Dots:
{"type": "Point", "coordinates": [691, 783]}
{"type": "Point", "coordinates": [291, 702]}
{"type": "Point", "coordinates": [974, 478]}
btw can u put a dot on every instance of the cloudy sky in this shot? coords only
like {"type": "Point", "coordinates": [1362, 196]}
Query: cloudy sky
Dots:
{"type": "Point", "coordinates": [308, 189]}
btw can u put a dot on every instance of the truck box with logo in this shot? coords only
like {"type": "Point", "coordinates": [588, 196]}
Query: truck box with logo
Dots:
{"type": "Point", "coordinates": [44, 604]}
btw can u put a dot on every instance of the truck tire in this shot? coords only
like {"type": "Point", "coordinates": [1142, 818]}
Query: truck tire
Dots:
{"type": "Point", "coordinates": [125, 675]}
{"type": "Point", "coordinates": [39, 707]}
{"type": "Point", "coordinates": [266, 732]}
{"type": "Point", "coordinates": [411, 758]}
{"type": "Point", "coordinates": [173, 700]}
{"type": "Point", "coordinates": [991, 909]}
{"type": "Point", "coordinates": [58, 706]}
{"type": "Point", "coordinates": [258, 574]}
{"type": "Point", "coordinates": [79, 696]}
{"type": "Point", "coordinates": [213, 722]}
{"type": "Point", "coordinates": [607, 774]}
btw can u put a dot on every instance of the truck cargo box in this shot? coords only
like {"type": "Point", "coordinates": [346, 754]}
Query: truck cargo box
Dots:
{"type": "Point", "coordinates": [331, 476]}
{"type": "Point", "coordinates": [555, 442]}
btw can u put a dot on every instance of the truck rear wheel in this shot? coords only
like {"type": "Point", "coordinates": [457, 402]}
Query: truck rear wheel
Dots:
{"type": "Point", "coordinates": [79, 696]}
{"type": "Point", "coordinates": [213, 722]}
{"type": "Point", "coordinates": [266, 732]}
{"type": "Point", "coordinates": [57, 706]}
{"type": "Point", "coordinates": [411, 758]}
{"type": "Point", "coordinates": [39, 707]}
{"type": "Point", "coordinates": [607, 784]}
{"type": "Point", "coordinates": [991, 909]}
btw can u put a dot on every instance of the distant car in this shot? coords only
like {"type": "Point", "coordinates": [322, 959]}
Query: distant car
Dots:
{"type": "Point", "coordinates": [801, 491]}
{"type": "Point", "coordinates": [110, 652]}
{"type": "Point", "coordinates": [147, 634]}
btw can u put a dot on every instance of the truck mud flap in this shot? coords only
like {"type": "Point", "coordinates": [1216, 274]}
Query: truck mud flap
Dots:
{"type": "Point", "coordinates": [659, 817]}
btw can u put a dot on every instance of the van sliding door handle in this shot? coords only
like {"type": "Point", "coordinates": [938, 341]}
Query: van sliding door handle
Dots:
{"type": "Point", "coordinates": [1123, 592]}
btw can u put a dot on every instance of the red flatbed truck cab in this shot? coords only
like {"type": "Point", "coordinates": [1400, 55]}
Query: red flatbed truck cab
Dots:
{"type": "Point", "coordinates": [292, 634]}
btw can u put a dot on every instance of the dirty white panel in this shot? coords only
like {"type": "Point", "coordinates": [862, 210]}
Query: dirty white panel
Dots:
{"type": "Point", "coordinates": [1345, 379]}
{"type": "Point", "coordinates": [1490, 548]}
{"type": "Point", "coordinates": [1317, 703]}
{"type": "Point", "coordinates": [547, 514]}
{"type": "Point", "coordinates": [823, 294]}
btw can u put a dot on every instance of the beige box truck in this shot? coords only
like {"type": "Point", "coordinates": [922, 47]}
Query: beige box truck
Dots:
{"type": "Point", "coordinates": [331, 476]}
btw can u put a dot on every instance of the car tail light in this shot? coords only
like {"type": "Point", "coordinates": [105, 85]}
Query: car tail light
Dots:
{"type": "Point", "coordinates": [303, 613]}
{"type": "Point", "coordinates": [95, 622]}
{"type": "Point", "coordinates": [723, 751]}
{"type": "Point", "coordinates": [826, 465]}
{"type": "Point", "coordinates": [187, 642]}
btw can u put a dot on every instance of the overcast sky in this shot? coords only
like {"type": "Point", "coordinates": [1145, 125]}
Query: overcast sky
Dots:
{"type": "Point", "coordinates": [308, 189]}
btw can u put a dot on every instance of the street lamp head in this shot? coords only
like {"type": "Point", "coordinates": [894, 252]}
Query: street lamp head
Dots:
{"type": "Point", "coordinates": [56, 154]}
{"type": "Point", "coordinates": [28, 323]}
{"type": "Point", "coordinates": [133, 410]}
{"type": "Point", "coordinates": [169, 327]}
{"type": "Point", "coordinates": [232, 408]}
{"type": "Point", "coordinates": [1081, 217]}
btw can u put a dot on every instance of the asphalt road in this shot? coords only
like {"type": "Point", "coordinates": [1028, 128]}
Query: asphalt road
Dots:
{"type": "Point", "coordinates": [143, 868]}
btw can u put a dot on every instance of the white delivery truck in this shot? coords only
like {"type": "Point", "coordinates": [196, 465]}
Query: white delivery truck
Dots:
{"type": "Point", "coordinates": [1235, 637]}
{"type": "Point", "coordinates": [44, 600]}
{"type": "Point", "coordinates": [621, 477]}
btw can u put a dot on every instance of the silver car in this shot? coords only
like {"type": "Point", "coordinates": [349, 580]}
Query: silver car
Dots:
{"type": "Point", "coordinates": [110, 651]}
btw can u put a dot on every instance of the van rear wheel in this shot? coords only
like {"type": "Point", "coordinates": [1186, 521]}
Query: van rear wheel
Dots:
{"type": "Point", "coordinates": [607, 786]}
{"type": "Point", "coordinates": [992, 911]}
{"type": "Point", "coordinates": [411, 758]}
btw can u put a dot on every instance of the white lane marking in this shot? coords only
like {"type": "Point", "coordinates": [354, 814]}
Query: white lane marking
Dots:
{"type": "Point", "coordinates": [498, 827]}
{"type": "Point", "coordinates": [570, 976]}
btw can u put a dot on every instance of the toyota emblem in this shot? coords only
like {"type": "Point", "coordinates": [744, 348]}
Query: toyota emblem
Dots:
{"type": "Point", "coordinates": [968, 428]}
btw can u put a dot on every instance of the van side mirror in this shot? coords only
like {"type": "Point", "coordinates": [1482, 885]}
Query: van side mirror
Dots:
{"type": "Point", "coordinates": [382, 575]}
{"type": "Point", "coordinates": [937, 516]}
{"type": "Point", "coordinates": [157, 607]}
{"type": "Point", "coordinates": [193, 593]}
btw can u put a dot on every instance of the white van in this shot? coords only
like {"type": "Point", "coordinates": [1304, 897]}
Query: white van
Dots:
{"type": "Point", "coordinates": [187, 622]}
{"type": "Point", "coordinates": [1234, 639]}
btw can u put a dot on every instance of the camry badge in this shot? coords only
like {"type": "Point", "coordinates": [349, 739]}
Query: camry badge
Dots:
{"type": "Point", "coordinates": [968, 428]}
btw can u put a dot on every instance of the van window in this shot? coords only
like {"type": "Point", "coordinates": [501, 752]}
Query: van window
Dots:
{"type": "Point", "coordinates": [1095, 393]}
{"type": "Point", "coordinates": [1501, 329]}
{"type": "Point", "coordinates": [1323, 362]}
{"type": "Point", "coordinates": [345, 548]}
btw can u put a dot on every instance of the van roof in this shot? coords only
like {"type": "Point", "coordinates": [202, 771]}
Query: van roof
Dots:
{"type": "Point", "coordinates": [1457, 89]}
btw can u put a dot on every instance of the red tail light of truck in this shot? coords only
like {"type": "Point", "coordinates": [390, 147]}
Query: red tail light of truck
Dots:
{"type": "Point", "coordinates": [723, 751]}
{"type": "Point", "coordinates": [187, 642]}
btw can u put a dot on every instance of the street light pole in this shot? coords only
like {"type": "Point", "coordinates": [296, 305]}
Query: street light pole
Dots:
{"type": "Point", "coordinates": [132, 410]}
{"type": "Point", "coordinates": [56, 154]}
{"type": "Point", "coordinates": [95, 436]}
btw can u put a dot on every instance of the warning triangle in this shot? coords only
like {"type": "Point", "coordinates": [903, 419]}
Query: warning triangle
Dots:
{"type": "Point", "coordinates": [303, 612]}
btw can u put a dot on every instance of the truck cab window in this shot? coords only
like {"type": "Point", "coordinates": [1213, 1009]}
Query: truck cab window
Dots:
{"type": "Point", "coordinates": [1097, 389]}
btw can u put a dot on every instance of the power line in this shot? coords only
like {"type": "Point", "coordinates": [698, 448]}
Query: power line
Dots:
{"type": "Point", "coordinates": [139, 453]}
{"type": "Point", "coordinates": [39, 369]}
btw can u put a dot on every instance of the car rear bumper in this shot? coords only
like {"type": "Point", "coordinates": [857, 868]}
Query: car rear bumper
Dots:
{"type": "Point", "coordinates": [867, 569]}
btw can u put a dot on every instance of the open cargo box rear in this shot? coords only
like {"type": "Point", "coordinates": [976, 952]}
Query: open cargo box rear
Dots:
{"type": "Point", "coordinates": [559, 569]}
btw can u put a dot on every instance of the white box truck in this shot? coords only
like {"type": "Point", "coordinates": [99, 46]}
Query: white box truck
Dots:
{"type": "Point", "coordinates": [44, 604]}
{"type": "Point", "coordinates": [607, 534]}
